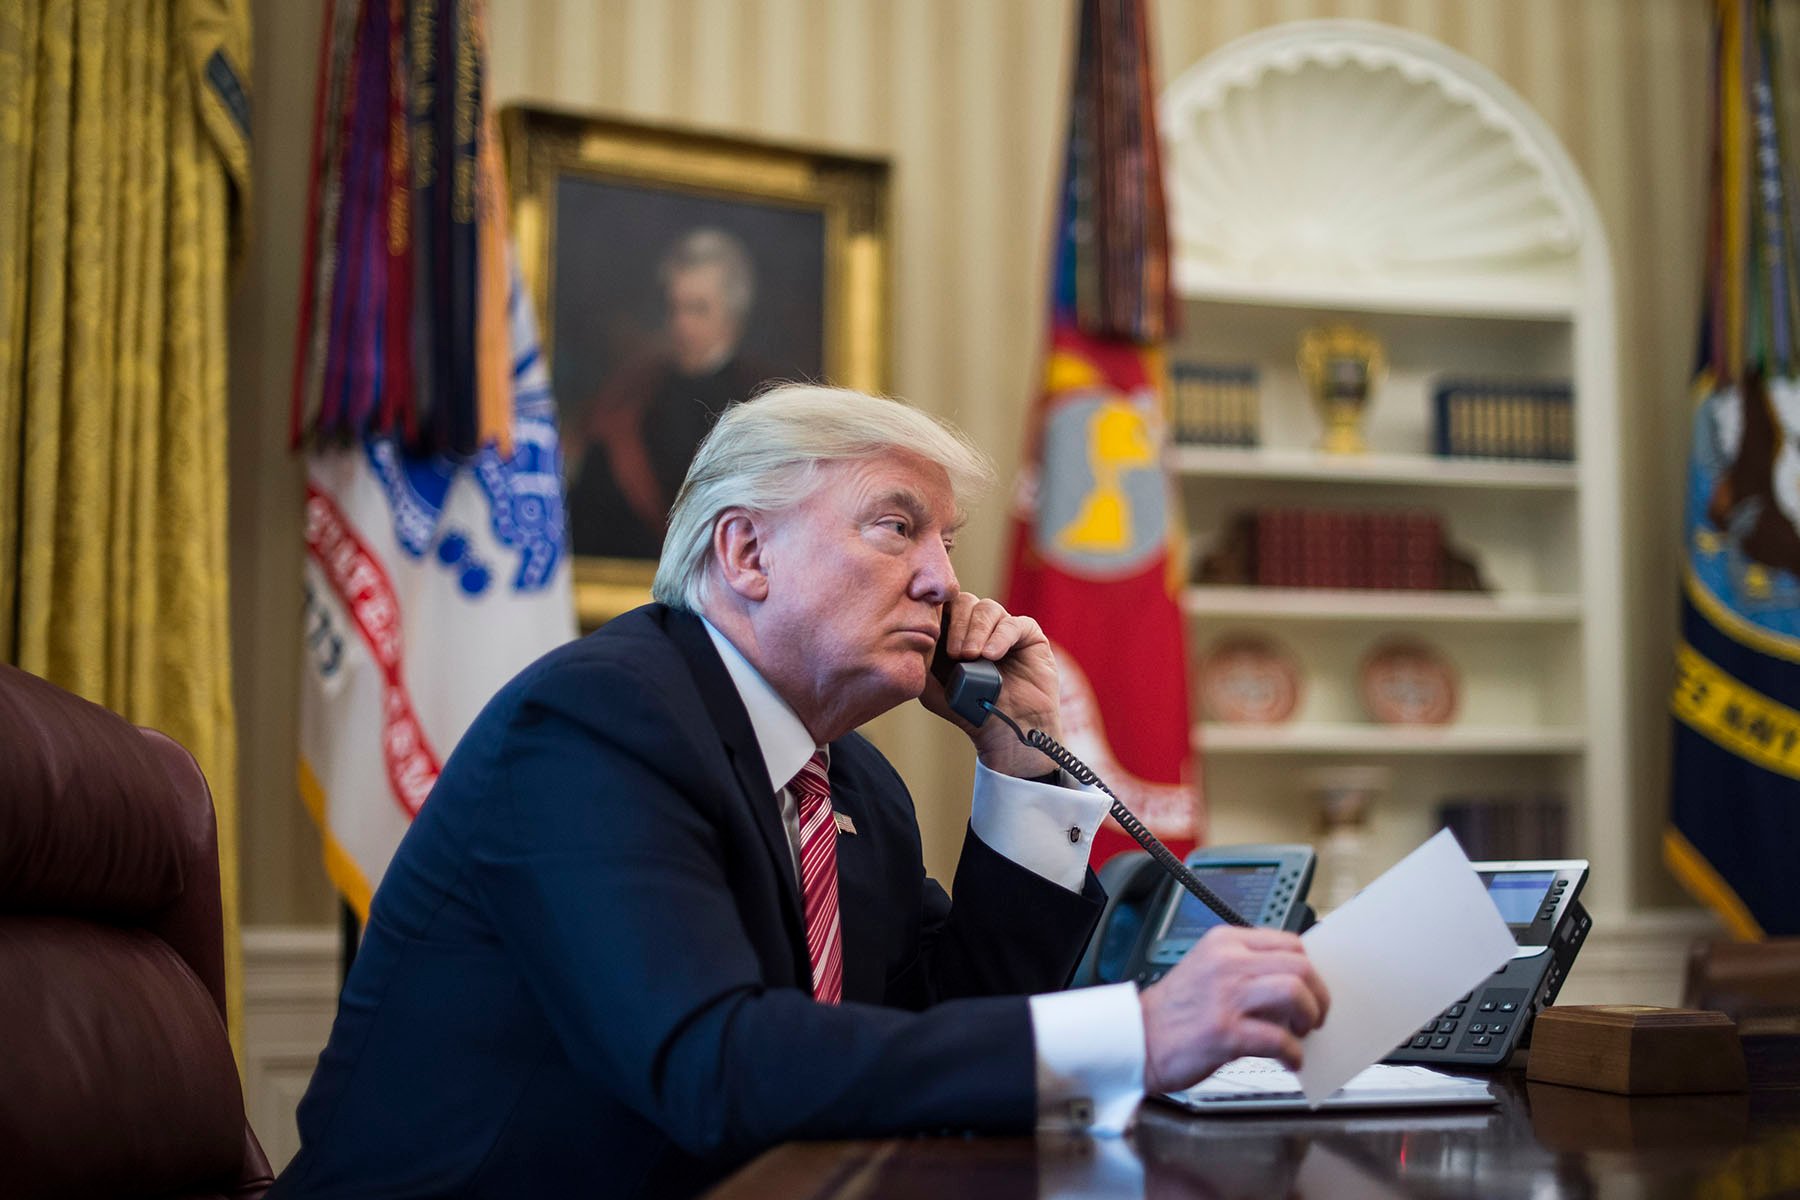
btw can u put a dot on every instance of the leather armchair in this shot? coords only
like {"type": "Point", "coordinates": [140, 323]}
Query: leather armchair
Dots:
{"type": "Point", "coordinates": [116, 1074]}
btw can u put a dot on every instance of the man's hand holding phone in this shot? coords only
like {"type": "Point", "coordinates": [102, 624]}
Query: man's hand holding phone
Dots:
{"type": "Point", "coordinates": [978, 629]}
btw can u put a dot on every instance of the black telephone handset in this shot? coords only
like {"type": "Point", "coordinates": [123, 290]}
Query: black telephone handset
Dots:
{"type": "Point", "coordinates": [972, 688]}
{"type": "Point", "coordinates": [968, 686]}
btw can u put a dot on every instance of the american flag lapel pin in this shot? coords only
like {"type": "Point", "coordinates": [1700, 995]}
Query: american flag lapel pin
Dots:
{"type": "Point", "coordinates": [844, 823]}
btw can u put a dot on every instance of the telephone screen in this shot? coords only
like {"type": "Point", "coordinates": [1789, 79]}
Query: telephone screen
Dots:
{"type": "Point", "coordinates": [1245, 888]}
{"type": "Point", "coordinates": [1518, 895]}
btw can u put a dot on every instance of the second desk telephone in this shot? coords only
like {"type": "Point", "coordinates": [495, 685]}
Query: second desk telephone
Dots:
{"type": "Point", "coordinates": [1150, 923]}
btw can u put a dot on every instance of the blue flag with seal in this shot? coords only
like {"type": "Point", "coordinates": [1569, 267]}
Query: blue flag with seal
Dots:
{"type": "Point", "coordinates": [1735, 816]}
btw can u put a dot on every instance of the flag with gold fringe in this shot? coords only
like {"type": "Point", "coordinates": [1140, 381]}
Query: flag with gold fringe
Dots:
{"type": "Point", "coordinates": [1735, 821]}
{"type": "Point", "coordinates": [436, 563]}
{"type": "Point", "coordinates": [1094, 532]}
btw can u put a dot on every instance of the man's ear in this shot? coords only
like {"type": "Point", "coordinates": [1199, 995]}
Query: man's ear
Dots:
{"type": "Point", "coordinates": [739, 549]}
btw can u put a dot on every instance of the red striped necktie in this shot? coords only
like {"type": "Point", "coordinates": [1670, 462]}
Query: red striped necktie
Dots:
{"type": "Point", "coordinates": [818, 879]}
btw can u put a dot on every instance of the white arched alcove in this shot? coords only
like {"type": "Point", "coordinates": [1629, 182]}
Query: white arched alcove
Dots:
{"type": "Point", "coordinates": [1347, 170]}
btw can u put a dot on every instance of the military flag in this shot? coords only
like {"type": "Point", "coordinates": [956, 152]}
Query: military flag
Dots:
{"type": "Point", "coordinates": [1093, 555]}
{"type": "Point", "coordinates": [435, 554]}
{"type": "Point", "coordinates": [1735, 822]}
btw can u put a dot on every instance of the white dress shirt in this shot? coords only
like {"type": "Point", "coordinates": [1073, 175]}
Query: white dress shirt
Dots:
{"type": "Point", "coordinates": [1089, 1042]}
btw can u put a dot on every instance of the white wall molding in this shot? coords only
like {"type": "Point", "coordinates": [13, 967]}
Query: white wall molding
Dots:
{"type": "Point", "coordinates": [290, 1000]}
{"type": "Point", "coordinates": [1640, 959]}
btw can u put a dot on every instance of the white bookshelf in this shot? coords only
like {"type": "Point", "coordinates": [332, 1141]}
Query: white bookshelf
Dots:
{"type": "Point", "coordinates": [1301, 465]}
{"type": "Point", "coordinates": [1222, 603]}
{"type": "Point", "coordinates": [1305, 737]}
{"type": "Point", "coordinates": [1380, 179]}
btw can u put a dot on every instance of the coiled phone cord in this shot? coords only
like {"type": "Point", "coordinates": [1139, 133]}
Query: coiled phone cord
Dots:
{"type": "Point", "coordinates": [1038, 740]}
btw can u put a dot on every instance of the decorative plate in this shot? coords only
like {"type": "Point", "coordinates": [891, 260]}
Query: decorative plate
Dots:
{"type": "Point", "coordinates": [1406, 682]}
{"type": "Point", "coordinates": [1249, 678]}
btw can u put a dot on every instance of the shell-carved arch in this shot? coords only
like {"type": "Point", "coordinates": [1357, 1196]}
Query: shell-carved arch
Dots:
{"type": "Point", "coordinates": [1334, 154]}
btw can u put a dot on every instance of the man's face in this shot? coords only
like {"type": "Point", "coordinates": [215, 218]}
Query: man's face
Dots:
{"type": "Point", "coordinates": [858, 574]}
{"type": "Point", "coordinates": [701, 324]}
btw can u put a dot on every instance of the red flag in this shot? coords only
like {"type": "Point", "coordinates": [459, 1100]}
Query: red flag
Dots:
{"type": "Point", "coordinates": [1094, 536]}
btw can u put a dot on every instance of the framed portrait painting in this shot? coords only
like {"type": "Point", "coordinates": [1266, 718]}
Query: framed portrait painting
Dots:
{"type": "Point", "coordinates": [676, 274]}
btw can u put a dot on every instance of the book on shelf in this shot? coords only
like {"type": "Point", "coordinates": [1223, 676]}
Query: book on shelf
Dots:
{"type": "Point", "coordinates": [1347, 548]}
{"type": "Point", "coordinates": [1508, 826]}
{"type": "Point", "coordinates": [1421, 549]}
{"type": "Point", "coordinates": [1215, 404]}
{"type": "Point", "coordinates": [1504, 419]}
{"type": "Point", "coordinates": [1315, 547]}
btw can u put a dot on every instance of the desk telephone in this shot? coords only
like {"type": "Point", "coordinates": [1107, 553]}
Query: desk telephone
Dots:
{"type": "Point", "coordinates": [1149, 924]}
{"type": "Point", "coordinates": [1158, 906]}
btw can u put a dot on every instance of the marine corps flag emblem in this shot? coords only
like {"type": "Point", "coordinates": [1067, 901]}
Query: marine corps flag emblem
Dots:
{"type": "Point", "coordinates": [1092, 534]}
{"type": "Point", "coordinates": [1735, 821]}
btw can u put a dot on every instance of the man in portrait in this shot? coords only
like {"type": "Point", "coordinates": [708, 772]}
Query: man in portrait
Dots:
{"type": "Point", "coordinates": [640, 430]}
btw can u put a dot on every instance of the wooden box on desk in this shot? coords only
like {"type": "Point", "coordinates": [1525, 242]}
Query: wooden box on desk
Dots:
{"type": "Point", "coordinates": [1637, 1050]}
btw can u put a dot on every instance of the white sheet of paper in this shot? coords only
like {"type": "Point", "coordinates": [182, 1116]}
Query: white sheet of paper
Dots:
{"type": "Point", "coordinates": [1399, 953]}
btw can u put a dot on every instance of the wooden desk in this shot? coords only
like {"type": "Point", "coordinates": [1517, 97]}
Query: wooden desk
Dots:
{"type": "Point", "coordinates": [1542, 1142]}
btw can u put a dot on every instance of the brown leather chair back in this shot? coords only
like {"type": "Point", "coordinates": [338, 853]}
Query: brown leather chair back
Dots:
{"type": "Point", "coordinates": [116, 1075]}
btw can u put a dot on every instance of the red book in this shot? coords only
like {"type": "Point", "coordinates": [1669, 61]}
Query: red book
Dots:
{"type": "Point", "coordinates": [1423, 551]}
{"type": "Point", "coordinates": [1356, 549]}
{"type": "Point", "coordinates": [1383, 539]}
{"type": "Point", "coordinates": [1314, 563]}
{"type": "Point", "coordinates": [1278, 561]}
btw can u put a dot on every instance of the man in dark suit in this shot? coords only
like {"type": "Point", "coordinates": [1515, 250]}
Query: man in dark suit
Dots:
{"type": "Point", "coordinates": [665, 908]}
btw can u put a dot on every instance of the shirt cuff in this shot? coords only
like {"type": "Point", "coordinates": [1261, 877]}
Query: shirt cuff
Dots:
{"type": "Point", "coordinates": [1046, 828]}
{"type": "Point", "coordinates": [1090, 1057]}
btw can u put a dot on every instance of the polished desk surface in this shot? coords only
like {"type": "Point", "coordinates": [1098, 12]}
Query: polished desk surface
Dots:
{"type": "Point", "coordinates": [1542, 1141]}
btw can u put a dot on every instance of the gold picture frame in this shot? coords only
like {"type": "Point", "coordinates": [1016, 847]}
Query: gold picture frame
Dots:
{"type": "Point", "coordinates": [613, 220]}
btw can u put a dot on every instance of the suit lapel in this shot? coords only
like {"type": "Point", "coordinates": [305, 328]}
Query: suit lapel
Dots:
{"type": "Point", "coordinates": [720, 696]}
{"type": "Point", "coordinates": [859, 901]}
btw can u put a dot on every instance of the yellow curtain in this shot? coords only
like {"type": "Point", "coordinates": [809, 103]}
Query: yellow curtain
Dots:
{"type": "Point", "coordinates": [123, 160]}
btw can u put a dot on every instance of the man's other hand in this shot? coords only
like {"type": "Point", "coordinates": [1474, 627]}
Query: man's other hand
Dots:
{"type": "Point", "coordinates": [982, 629]}
{"type": "Point", "coordinates": [1238, 992]}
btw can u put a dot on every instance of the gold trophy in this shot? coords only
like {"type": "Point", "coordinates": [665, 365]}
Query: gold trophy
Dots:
{"type": "Point", "coordinates": [1340, 363]}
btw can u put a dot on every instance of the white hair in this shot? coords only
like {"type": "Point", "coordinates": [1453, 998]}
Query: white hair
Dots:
{"type": "Point", "coordinates": [764, 456]}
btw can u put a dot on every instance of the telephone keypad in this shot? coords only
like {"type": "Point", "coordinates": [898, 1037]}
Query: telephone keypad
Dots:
{"type": "Point", "coordinates": [1480, 1030]}
{"type": "Point", "coordinates": [1442, 1032]}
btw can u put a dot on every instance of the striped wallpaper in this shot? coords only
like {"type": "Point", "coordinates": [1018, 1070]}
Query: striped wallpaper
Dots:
{"type": "Point", "coordinates": [966, 99]}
